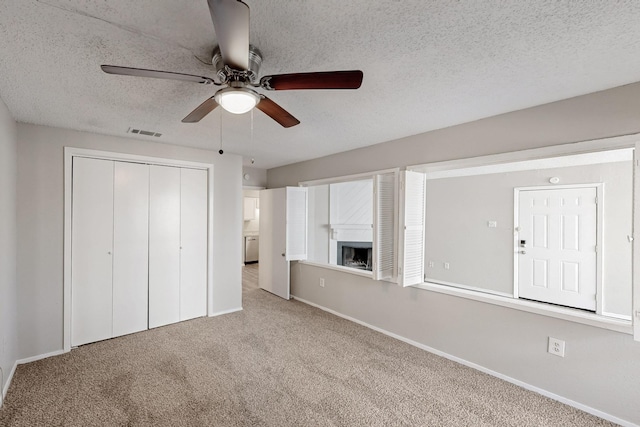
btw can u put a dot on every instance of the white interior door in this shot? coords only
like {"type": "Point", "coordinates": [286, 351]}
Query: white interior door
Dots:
{"type": "Point", "coordinates": [91, 250]}
{"type": "Point", "coordinates": [130, 248]}
{"type": "Point", "coordinates": [164, 245]}
{"type": "Point", "coordinates": [557, 237]}
{"type": "Point", "coordinates": [193, 243]}
{"type": "Point", "coordinates": [273, 274]}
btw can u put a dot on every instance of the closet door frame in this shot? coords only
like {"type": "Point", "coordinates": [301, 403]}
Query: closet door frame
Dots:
{"type": "Point", "coordinates": [69, 154]}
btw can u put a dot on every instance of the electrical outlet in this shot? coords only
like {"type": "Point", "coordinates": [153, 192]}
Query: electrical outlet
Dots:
{"type": "Point", "coordinates": [321, 282]}
{"type": "Point", "coordinates": [492, 224]}
{"type": "Point", "coordinates": [432, 264]}
{"type": "Point", "coordinates": [556, 347]}
{"type": "Point", "coordinates": [446, 265]}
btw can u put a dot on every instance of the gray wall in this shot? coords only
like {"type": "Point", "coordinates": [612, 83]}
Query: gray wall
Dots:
{"type": "Point", "coordinates": [257, 177]}
{"type": "Point", "coordinates": [602, 114]}
{"type": "Point", "coordinates": [601, 367]}
{"type": "Point", "coordinates": [458, 209]}
{"type": "Point", "coordinates": [41, 220]}
{"type": "Point", "coordinates": [8, 242]}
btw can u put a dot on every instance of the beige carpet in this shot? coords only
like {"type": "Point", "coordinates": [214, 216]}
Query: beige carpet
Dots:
{"type": "Point", "coordinates": [277, 363]}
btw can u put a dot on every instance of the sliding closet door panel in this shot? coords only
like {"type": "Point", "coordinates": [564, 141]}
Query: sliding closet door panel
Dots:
{"type": "Point", "coordinates": [164, 245]}
{"type": "Point", "coordinates": [91, 250]}
{"type": "Point", "coordinates": [193, 236]}
{"type": "Point", "coordinates": [130, 248]}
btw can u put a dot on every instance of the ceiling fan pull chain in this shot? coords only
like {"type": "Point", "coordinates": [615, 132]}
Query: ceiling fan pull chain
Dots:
{"type": "Point", "coordinates": [252, 159]}
{"type": "Point", "coordinates": [221, 151]}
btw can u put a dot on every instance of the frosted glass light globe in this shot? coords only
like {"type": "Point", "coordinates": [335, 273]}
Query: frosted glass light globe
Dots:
{"type": "Point", "coordinates": [237, 100]}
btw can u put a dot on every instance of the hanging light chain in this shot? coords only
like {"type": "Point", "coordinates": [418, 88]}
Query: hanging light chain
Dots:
{"type": "Point", "coordinates": [221, 151]}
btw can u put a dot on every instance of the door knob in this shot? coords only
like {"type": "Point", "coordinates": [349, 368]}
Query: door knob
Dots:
{"type": "Point", "coordinates": [523, 252]}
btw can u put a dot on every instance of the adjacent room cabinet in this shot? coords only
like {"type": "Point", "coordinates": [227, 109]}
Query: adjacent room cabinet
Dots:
{"type": "Point", "coordinates": [250, 206]}
{"type": "Point", "coordinates": [139, 247]}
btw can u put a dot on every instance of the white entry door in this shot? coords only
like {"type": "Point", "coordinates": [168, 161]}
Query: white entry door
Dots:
{"type": "Point", "coordinates": [556, 244]}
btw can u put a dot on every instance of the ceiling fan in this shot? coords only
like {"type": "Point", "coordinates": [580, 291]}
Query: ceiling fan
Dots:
{"type": "Point", "coordinates": [237, 65]}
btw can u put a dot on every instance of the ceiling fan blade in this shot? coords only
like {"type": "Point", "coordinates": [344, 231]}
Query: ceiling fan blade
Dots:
{"type": "Point", "coordinates": [140, 72]}
{"type": "Point", "coordinates": [201, 110]}
{"type": "Point", "coordinates": [276, 112]}
{"type": "Point", "coordinates": [321, 80]}
{"type": "Point", "coordinates": [231, 23]}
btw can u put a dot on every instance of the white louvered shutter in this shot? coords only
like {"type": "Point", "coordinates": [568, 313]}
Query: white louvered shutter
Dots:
{"type": "Point", "coordinates": [384, 216]}
{"type": "Point", "coordinates": [636, 241]}
{"type": "Point", "coordinates": [412, 221]}
{"type": "Point", "coordinates": [296, 248]}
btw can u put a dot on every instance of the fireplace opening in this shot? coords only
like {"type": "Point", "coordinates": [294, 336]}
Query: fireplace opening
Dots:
{"type": "Point", "coordinates": [355, 255]}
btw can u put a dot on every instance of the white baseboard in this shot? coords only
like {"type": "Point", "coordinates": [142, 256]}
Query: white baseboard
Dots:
{"type": "Point", "coordinates": [219, 313]}
{"type": "Point", "coordinates": [21, 362]}
{"type": "Point", "coordinates": [40, 356]}
{"type": "Point", "coordinates": [519, 383]}
{"type": "Point", "coordinates": [5, 389]}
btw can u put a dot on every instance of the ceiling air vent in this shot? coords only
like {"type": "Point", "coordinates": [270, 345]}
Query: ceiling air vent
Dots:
{"type": "Point", "coordinates": [144, 132]}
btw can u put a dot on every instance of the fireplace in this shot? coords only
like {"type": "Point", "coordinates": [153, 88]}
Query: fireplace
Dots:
{"type": "Point", "coordinates": [355, 254]}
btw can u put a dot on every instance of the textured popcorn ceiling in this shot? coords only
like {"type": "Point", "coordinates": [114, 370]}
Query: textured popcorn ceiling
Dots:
{"type": "Point", "coordinates": [427, 65]}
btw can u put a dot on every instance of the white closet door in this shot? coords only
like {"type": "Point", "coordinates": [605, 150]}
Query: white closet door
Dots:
{"type": "Point", "coordinates": [164, 245]}
{"type": "Point", "coordinates": [91, 248]}
{"type": "Point", "coordinates": [130, 248]}
{"type": "Point", "coordinates": [193, 237]}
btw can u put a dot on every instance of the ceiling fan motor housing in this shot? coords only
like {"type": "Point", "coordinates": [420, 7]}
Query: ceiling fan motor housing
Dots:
{"type": "Point", "coordinates": [227, 74]}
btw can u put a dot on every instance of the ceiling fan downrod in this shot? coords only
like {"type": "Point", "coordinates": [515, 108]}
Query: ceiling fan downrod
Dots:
{"type": "Point", "coordinates": [228, 75]}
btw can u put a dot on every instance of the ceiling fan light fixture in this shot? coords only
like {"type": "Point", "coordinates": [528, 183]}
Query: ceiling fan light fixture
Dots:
{"type": "Point", "coordinates": [237, 100]}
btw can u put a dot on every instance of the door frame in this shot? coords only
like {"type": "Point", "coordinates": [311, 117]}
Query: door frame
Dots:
{"type": "Point", "coordinates": [599, 187]}
{"type": "Point", "coordinates": [69, 154]}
